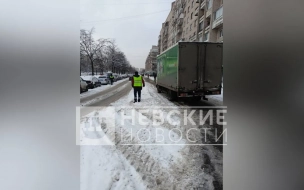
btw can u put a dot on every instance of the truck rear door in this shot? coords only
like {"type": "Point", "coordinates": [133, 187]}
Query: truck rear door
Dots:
{"type": "Point", "coordinates": [187, 66]}
{"type": "Point", "coordinates": [210, 66]}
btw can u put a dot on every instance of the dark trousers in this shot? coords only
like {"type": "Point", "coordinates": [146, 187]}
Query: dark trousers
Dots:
{"type": "Point", "coordinates": [137, 90]}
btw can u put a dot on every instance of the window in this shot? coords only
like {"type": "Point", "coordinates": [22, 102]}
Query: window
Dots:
{"type": "Point", "coordinates": [190, 27]}
{"type": "Point", "coordinates": [191, 16]}
{"type": "Point", "coordinates": [195, 23]}
{"type": "Point", "coordinates": [218, 13]}
{"type": "Point", "coordinates": [187, 20]}
{"type": "Point", "coordinates": [209, 4]}
{"type": "Point", "coordinates": [221, 33]}
{"type": "Point", "coordinates": [206, 37]}
{"type": "Point", "coordinates": [188, 9]}
{"type": "Point", "coordinates": [192, 4]}
{"type": "Point", "coordinates": [200, 39]}
{"type": "Point", "coordinates": [201, 26]}
{"type": "Point", "coordinates": [208, 22]}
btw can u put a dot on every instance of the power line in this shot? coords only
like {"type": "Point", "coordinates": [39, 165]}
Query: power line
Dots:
{"type": "Point", "coordinates": [124, 17]}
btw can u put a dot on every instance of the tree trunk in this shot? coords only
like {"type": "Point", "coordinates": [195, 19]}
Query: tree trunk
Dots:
{"type": "Point", "coordinates": [92, 66]}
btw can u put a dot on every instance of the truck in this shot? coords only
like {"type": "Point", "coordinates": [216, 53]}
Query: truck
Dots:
{"type": "Point", "coordinates": [190, 70]}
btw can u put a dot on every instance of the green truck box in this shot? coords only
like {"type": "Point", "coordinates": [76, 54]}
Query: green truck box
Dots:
{"type": "Point", "coordinates": [190, 69]}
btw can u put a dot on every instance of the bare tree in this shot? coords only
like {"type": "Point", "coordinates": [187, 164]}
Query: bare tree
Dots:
{"type": "Point", "coordinates": [112, 55]}
{"type": "Point", "coordinates": [101, 55]}
{"type": "Point", "coordinates": [89, 47]}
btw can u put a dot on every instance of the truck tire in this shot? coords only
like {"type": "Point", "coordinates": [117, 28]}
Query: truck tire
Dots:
{"type": "Point", "coordinates": [172, 95]}
{"type": "Point", "coordinates": [158, 89]}
{"type": "Point", "coordinates": [197, 98]}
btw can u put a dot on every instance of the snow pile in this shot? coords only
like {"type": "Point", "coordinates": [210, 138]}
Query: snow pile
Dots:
{"type": "Point", "coordinates": [102, 167]}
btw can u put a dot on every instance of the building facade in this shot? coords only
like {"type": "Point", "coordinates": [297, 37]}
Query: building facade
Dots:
{"type": "Point", "coordinates": [151, 59]}
{"type": "Point", "coordinates": [192, 20]}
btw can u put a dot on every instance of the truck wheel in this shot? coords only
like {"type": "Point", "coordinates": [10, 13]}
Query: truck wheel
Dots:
{"type": "Point", "coordinates": [172, 95]}
{"type": "Point", "coordinates": [158, 89]}
{"type": "Point", "coordinates": [197, 98]}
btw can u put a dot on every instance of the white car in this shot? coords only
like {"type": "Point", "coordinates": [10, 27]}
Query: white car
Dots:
{"type": "Point", "coordinates": [83, 86]}
{"type": "Point", "coordinates": [103, 79]}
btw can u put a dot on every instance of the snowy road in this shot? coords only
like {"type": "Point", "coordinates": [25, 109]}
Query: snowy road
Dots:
{"type": "Point", "coordinates": [100, 91]}
{"type": "Point", "coordinates": [157, 166]}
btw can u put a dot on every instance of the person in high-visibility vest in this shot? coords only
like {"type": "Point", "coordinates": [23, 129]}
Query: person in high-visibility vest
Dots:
{"type": "Point", "coordinates": [111, 79]}
{"type": "Point", "coordinates": [137, 84]}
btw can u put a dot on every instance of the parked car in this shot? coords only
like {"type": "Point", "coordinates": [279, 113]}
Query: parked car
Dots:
{"type": "Point", "coordinates": [92, 81]}
{"type": "Point", "coordinates": [83, 86]}
{"type": "Point", "coordinates": [116, 77]}
{"type": "Point", "coordinates": [103, 79]}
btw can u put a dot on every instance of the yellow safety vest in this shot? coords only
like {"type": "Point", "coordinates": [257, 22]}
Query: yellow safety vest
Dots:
{"type": "Point", "coordinates": [137, 81]}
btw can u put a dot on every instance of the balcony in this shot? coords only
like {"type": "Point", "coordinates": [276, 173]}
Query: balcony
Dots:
{"type": "Point", "coordinates": [208, 13]}
{"type": "Point", "coordinates": [218, 18]}
{"type": "Point", "coordinates": [166, 33]}
{"type": "Point", "coordinates": [203, 4]}
{"type": "Point", "coordinates": [180, 21]}
{"type": "Point", "coordinates": [196, 12]}
{"type": "Point", "coordinates": [192, 38]}
{"type": "Point", "coordinates": [220, 39]}
{"type": "Point", "coordinates": [201, 19]}
{"type": "Point", "coordinates": [207, 28]}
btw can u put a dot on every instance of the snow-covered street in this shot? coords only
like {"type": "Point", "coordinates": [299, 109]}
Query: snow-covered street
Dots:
{"type": "Point", "coordinates": [130, 164]}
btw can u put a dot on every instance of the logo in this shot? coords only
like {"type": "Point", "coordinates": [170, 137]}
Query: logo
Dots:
{"type": "Point", "coordinates": [95, 126]}
{"type": "Point", "coordinates": [153, 125]}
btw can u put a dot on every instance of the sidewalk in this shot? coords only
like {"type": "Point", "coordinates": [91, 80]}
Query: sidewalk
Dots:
{"type": "Point", "coordinates": [150, 79]}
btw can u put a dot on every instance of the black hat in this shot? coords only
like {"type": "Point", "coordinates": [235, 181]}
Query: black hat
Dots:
{"type": "Point", "coordinates": [136, 73]}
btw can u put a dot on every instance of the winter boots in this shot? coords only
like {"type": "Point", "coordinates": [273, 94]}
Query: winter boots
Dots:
{"type": "Point", "coordinates": [136, 100]}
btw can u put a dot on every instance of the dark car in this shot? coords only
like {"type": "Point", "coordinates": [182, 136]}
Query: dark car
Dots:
{"type": "Point", "coordinates": [92, 81]}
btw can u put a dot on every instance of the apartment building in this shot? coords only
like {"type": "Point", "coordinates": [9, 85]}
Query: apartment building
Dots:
{"type": "Point", "coordinates": [192, 20]}
{"type": "Point", "coordinates": [151, 59]}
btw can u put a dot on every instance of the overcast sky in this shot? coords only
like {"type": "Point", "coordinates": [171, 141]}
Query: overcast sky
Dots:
{"type": "Point", "coordinates": [134, 36]}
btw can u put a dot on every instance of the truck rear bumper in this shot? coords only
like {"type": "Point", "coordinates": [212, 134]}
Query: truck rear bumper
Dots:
{"type": "Point", "coordinates": [199, 93]}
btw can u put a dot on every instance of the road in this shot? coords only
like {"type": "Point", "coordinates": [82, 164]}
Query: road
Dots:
{"type": "Point", "coordinates": [148, 166]}
{"type": "Point", "coordinates": [105, 97]}
{"type": "Point", "coordinates": [101, 93]}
